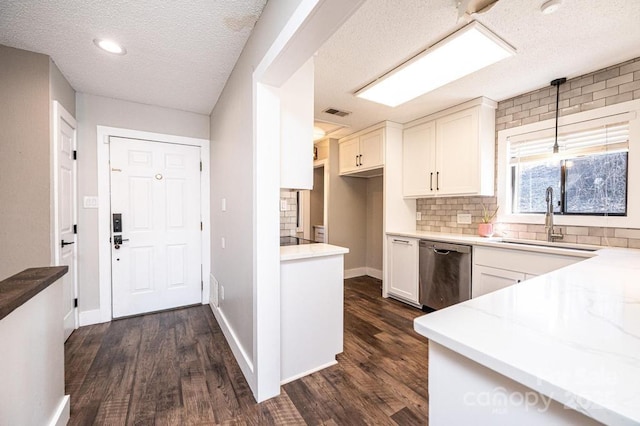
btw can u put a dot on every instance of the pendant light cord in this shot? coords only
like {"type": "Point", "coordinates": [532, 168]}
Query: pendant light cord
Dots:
{"type": "Point", "coordinates": [557, 82]}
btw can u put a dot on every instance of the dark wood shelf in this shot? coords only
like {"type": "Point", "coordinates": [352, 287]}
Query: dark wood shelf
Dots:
{"type": "Point", "coordinates": [15, 291]}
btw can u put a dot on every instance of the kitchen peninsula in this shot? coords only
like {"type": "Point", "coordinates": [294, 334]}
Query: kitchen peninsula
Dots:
{"type": "Point", "coordinates": [561, 348]}
{"type": "Point", "coordinates": [311, 306]}
{"type": "Point", "coordinates": [32, 334]}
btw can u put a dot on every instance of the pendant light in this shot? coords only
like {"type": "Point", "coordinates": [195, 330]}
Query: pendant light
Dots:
{"type": "Point", "coordinates": [557, 82]}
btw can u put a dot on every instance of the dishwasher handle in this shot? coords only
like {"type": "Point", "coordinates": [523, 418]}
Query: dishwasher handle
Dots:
{"type": "Point", "coordinates": [441, 252]}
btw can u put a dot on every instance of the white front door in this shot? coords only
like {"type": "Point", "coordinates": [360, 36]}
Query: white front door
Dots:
{"type": "Point", "coordinates": [65, 249]}
{"type": "Point", "coordinates": [155, 188]}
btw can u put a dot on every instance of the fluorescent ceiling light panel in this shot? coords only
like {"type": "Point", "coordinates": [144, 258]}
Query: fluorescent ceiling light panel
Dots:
{"type": "Point", "coordinates": [469, 49]}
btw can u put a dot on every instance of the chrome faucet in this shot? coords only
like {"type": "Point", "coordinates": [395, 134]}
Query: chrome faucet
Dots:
{"type": "Point", "coordinates": [548, 218]}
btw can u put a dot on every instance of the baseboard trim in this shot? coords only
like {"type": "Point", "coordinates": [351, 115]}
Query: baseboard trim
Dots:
{"type": "Point", "coordinates": [365, 270]}
{"type": "Point", "coordinates": [355, 272]}
{"type": "Point", "coordinates": [403, 300]}
{"type": "Point", "coordinates": [242, 358]}
{"type": "Point", "coordinates": [91, 317]}
{"type": "Point", "coordinates": [375, 273]}
{"type": "Point", "coordinates": [306, 373]}
{"type": "Point", "coordinates": [63, 412]}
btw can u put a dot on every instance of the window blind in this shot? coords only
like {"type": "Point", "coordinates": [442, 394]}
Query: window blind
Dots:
{"type": "Point", "coordinates": [588, 138]}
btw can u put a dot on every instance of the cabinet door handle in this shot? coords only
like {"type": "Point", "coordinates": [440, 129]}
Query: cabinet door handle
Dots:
{"type": "Point", "coordinates": [356, 161]}
{"type": "Point", "coordinates": [400, 241]}
{"type": "Point", "coordinates": [431, 181]}
{"type": "Point", "coordinates": [437, 181]}
{"type": "Point", "coordinates": [360, 159]}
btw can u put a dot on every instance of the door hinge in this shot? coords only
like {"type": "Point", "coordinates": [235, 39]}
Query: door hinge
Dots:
{"type": "Point", "coordinates": [201, 166]}
{"type": "Point", "coordinates": [75, 303]}
{"type": "Point", "coordinates": [75, 229]}
{"type": "Point", "coordinates": [201, 285]}
{"type": "Point", "coordinates": [201, 226]}
{"type": "Point", "coordinates": [75, 154]}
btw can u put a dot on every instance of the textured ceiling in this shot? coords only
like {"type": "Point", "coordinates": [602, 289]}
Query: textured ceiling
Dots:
{"type": "Point", "coordinates": [180, 53]}
{"type": "Point", "coordinates": [582, 36]}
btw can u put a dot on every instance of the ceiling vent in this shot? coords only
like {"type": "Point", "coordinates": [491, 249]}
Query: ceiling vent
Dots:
{"type": "Point", "coordinates": [337, 112]}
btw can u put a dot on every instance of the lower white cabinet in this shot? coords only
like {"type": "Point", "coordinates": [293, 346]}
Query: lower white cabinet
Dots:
{"type": "Point", "coordinates": [497, 268]}
{"type": "Point", "coordinates": [487, 279]}
{"type": "Point", "coordinates": [403, 268]}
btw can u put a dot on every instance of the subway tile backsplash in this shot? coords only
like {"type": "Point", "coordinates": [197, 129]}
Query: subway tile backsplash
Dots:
{"type": "Point", "coordinates": [288, 217]}
{"type": "Point", "coordinates": [619, 83]}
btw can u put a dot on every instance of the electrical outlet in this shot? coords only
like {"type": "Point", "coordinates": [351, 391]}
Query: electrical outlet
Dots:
{"type": "Point", "coordinates": [222, 292]}
{"type": "Point", "coordinates": [464, 218]}
{"type": "Point", "coordinates": [223, 243]}
{"type": "Point", "coordinates": [283, 205]}
{"type": "Point", "coordinates": [418, 215]}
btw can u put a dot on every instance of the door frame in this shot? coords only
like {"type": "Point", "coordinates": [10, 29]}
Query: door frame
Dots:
{"type": "Point", "coordinates": [60, 113]}
{"type": "Point", "coordinates": [104, 207]}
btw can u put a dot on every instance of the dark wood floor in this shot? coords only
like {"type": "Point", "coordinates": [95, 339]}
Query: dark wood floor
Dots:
{"type": "Point", "coordinates": [175, 368]}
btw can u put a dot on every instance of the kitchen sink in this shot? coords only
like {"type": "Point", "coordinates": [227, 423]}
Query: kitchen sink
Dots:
{"type": "Point", "coordinates": [558, 245]}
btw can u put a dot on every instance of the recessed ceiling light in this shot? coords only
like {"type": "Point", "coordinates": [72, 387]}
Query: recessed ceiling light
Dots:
{"type": "Point", "coordinates": [469, 49]}
{"type": "Point", "coordinates": [550, 6]}
{"type": "Point", "coordinates": [110, 46]}
{"type": "Point", "coordinates": [318, 133]}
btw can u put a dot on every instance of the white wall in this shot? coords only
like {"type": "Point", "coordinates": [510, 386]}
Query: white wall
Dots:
{"type": "Point", "coordinates": [232, 179]}
{"type": "Point", "coordinates": [284, 38]}
{"type": "Point", "coordinates": [92, 111]}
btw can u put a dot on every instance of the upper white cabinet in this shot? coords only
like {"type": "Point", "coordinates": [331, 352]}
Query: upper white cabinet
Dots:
{"type": "Point", "coordinates": [419, 160]}
{"type": "Point", "coordinates": [363, 153]}
{"type": "Point", "coordinates": [451, 153]}
{"type": "Point", "coordinates": [296, 129]}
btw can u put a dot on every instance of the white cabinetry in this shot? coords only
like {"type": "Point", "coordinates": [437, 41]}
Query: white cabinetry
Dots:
{"type": "Point", "coordinates": [487, 279]}
{"type": "Point", "coordinates": [496, 268]}
{"type": "Point", "coordinates": [296, 129]}
{"type": "Point", "coordinates": [403, 268]}
{"type": "Point", "coordinates": [451, 153]}
{"type": "Point", "coordinates": [362, 153]}
{"type": "Point", "coordinates": [419, 160]}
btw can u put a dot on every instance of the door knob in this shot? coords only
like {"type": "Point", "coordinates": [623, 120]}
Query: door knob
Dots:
{"type": "Point", "coordinates": [64, 243]}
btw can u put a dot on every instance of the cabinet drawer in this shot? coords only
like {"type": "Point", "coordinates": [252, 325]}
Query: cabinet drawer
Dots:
{"type": "Point", "coordinates": [528, 262]}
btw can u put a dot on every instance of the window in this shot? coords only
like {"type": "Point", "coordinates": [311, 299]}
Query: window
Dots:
{"type": "Point", "coordinates": [588, 174]}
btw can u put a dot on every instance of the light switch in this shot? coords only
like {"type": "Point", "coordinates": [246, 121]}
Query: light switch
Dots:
{"type": "Point", "coordinates": [223, 205]}
{"type": "Point", "coordinates": [283, 205]}
{"type": "Point", "coordinates": [418, 215]}
{"type": "Point", "coordinates": [222, 242]}
{"type": "Point", "coordinates": [90, 202]}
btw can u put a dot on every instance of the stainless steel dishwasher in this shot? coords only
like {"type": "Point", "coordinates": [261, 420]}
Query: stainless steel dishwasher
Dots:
{"type": "Point", "coordinates": [445, 274]}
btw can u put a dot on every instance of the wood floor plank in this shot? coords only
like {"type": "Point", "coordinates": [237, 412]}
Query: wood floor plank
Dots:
{"type": "Point", "coordinates": [175, 368]}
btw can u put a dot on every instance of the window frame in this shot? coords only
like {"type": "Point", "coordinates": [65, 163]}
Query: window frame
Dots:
{"type": "Point", "coordinates": [631, 112]}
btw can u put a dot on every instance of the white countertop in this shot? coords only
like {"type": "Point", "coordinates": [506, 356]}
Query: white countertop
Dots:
{"type": "Point", "coordinates": [572, 334]}
{"type": "Point", "coordinates": [497, 242]}
{"type": "Point", "coordinates": [304, 251]}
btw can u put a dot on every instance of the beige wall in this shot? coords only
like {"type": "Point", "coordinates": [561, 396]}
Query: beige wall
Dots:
{"type": "Point", "coordinates": [61, 90]}
{"type": "Point", "coordinates": [347, 216]}
{"type": "Point", "coordinates": [97, 110]}
{"type": "Point", "coordinates": [374, 223]}
{"type": "Point", "coordinates": [317, 198]}
{"type": "Point", "coordinates": [24, 161]}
